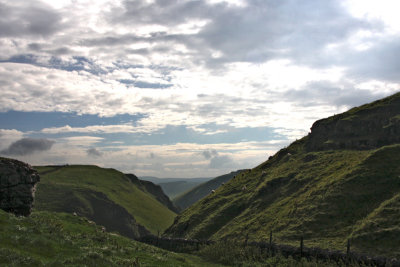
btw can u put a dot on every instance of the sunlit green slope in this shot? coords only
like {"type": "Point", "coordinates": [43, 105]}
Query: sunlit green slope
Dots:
{"type": "Point", "coordinates": [104, 195]}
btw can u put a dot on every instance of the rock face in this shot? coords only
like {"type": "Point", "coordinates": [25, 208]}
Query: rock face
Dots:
{"type": "Point", "coordinates": [367, 127]}
{"type": "Point", "coordinates": [17, 186]}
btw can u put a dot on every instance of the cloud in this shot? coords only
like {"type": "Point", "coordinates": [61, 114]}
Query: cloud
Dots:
{"type": "Point", "coordinates": [223, 161]}
{"type": "Point", "coordinates": [82, 140]}
{"type": "Point", "coordinates": [20, 18]}
{"type": "Point", "coordinates": [208, 154]}
{"type": "Point", "coordinates": [319, 93]}
{"type": "Point", "coordinates": [93, 152]}
{"type": "Point", "coordinates": [27, 146]}
{"type": "Point", "coordinates": [208, 72]}
{"type": "Point", "coordinates": [379, 62]}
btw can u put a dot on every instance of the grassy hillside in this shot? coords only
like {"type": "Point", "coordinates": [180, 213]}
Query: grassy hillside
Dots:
{"type": "Point", "coordinates": [195, 194]}
{"type": "Point", "coordinates": [325, 193]}
{"type": "Point", "coordinates": [105, 195]}
{"type": "Point", "coordinates": [174, 189]}
{"type": "Point", "coordinates": [59, 239]}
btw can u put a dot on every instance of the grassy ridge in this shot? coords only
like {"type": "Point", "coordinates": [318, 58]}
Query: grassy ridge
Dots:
{"type": "Point", "coordinates": [57, 185]}
{"type": "Point", "coordinates": [327, 194]}
{"type": "Point", "coordinates": [326, 197]}
{"type": "Point", "coordinates": [59, 239]}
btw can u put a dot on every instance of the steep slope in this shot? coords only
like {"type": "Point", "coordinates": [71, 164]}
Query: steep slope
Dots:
{"type": "Point", "coordinates": [154, 190]}
{"type": "Point", "coordinates": [339, 182]}
{"type": "Point", "coordinates": [174, 187]}
{"type": "Point", "coordinates": [190, 197]}
{"type": "Point", "coordinates": [106, 196]}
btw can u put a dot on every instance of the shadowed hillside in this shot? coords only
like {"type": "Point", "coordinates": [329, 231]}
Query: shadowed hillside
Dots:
{"type": "Point", "coordinates": [192, 196]}
{"type": "Point", "coordinates": [105, 196]}
{"type": "Point", "coordinates": [340, 182]}
{"type": "Point", "coordinates": [174, 187]}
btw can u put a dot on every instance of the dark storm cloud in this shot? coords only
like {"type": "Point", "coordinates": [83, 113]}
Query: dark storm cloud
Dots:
{"type": "Point", "coordinates": [20, 18]}
{"type": "Point", "coordinates": [93, 152]}
{"type": "Point", "coordinates": [27, 146]}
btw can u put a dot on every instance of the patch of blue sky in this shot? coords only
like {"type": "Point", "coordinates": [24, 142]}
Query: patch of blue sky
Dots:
{"type": "Point", "coordinates": [140, 84]}
{"type": "Point", "coordinates": [76, 64]}
{"type": "Point", "coordinates": [171, 135]}
{"type": "Point", "coordinates": [36, 121]}
{"type": "Point", "coordinates": [182, 134]}
{"type": "Point", "coordinates": [230, 135]}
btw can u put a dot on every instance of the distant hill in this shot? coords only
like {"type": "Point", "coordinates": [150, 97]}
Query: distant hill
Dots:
{"type": "Point", "coordinates": [173, 187]}
{"type": "Point", "coordinates": [105, 196]}
{"type": "Point", "coordinates": [195, 194]}
{"type": "Point", "coordinates": [340, 182]}
{"type": "Point", "coordinates": [157, 180]}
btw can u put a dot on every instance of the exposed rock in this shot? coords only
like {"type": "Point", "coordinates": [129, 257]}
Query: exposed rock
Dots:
{"type": "Point", "coordinates": [17, 186]}
{"type": "Point", "coordinates": [366, 127]}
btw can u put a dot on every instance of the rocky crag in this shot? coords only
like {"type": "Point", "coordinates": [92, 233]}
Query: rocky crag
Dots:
{"type": "Point", "coordinates": [17, 186]}
{"type": "Point", "coordinates": [366, 127]}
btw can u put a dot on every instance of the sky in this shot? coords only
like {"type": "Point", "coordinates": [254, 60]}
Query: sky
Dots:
{"type": "Point", "coordinates": [195, 88]}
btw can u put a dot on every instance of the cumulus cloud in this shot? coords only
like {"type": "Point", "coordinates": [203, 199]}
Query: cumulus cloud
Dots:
{"type": "Point", "coordinates": [232, 64]}
{"type": "Point", "coordinates": [93, 152]}
{"type": "Point", "coordinates": [27, 146]}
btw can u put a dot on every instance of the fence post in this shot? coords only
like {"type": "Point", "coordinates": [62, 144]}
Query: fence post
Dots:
{"type": "Point", "coordinates": [301, 246]}
{"type": "Point", "coordinates": [270, 239]}
{"type": "Point", "coordinates": [348, 248]}
{"type": "Point", "coordinates": [271, 251]}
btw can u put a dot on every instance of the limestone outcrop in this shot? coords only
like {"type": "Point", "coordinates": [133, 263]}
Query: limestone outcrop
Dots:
{"type": "Point", "coordinates": [17, 186]}
{"type": "Point", "coordinates": [367, 127]}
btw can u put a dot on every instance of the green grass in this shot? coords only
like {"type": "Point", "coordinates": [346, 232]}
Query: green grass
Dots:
{"type": "Point", "coordinates": [340, 182]}
{"type": "Point", "coordinates": [235, 254]}
{"type": "Point", "coordinates": [195, 194]}
{"type": "Point", "coordinates": [59, 239]}
{"type": "Point", "coordinates": [327, 197]}
{"type": "Point", "coordinates": [61, 187]}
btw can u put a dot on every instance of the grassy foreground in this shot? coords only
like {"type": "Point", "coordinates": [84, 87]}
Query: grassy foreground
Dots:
{"type": "Point", "coordinates": [59, 239]}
